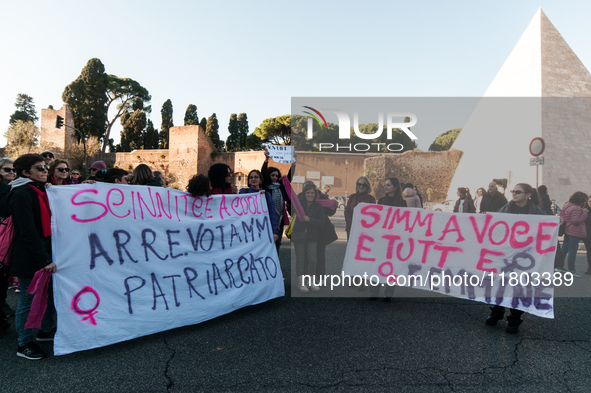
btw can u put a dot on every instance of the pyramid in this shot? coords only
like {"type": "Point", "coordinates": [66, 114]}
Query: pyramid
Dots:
{"type": "Point", "coordinates": [542, 90]}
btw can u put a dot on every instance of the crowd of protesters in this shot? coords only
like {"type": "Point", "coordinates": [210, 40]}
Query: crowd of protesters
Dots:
{"type": "Point", "coordinates": [23, 198]}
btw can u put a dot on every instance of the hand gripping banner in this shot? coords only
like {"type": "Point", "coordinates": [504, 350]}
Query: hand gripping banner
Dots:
{"type": "Point", "coordinates": [136, 260]}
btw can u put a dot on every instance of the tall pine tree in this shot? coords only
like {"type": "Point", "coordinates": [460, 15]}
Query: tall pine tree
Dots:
{"type": "Point", "coordinates": [87, 98]}
{"type": "Point", "coordinates": [191, 118]}
{"type": "Point", "coordinates": [151, 136]}
{"type": "Point", "coordinates": [25, 110]}
{"type": "Point", "coordinates": [166, 113]}
{"type": "Point", "coordinates": [232, 143]}
{"type": "Point", "coordinates": [212, 132]}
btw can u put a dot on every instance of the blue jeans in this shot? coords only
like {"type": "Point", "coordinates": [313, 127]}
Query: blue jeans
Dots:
{"type": "Point", "coordinates": [570, 246]}
{"type": "Point", "coordinates": [22, 313]}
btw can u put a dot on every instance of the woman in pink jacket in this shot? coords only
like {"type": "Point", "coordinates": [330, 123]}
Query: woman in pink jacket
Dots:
{"type": "Point", "coordinates": [574, 214]}
{"type": "Point", "coordinates": [410, 196]}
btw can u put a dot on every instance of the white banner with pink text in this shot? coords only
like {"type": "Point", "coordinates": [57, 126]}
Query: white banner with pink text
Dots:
{"type": "Point", "coordinates": [498, 259]}
{"type": "Point", "coordinates": [136, 260]}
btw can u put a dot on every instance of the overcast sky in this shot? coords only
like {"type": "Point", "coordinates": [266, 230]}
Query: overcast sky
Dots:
{"type": "Point", "coordinates": [236, 56]}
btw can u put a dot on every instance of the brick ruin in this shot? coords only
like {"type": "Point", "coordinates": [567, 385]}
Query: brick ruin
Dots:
{"type": "Point", "coordinates": [191, 152]}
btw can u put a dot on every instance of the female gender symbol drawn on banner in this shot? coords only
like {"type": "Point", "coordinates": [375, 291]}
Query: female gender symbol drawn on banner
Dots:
{"type": "Point", "coordinates": [91, 311]}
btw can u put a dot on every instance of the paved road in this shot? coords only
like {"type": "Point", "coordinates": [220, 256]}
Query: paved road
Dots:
{"type": "Point", "coordinates": [422, 344]}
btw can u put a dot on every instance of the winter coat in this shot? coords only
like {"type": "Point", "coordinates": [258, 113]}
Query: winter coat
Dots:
{"type": "Point", "coordinates": [492, 202]}
{"type": "Point", "coordinates": [547, 205]}
{"type": "Point", "coordinates": [312, 228]}
{"type": "Point", "coordinates": [351, 203]}
{"type": "Point", "coordinates": [575, 218]}
{"type": "Point", "coordinates": [4, 190]}
{"type": "Point", "coordinates": [468, 206]}
{"type": "Point", "coordinates": [153, 182]}
{"type": "Point", "coordinates": [286, 208]}
{"type": "Point", "coordinates": [411, 198]}
{"type": "Point", "coordinates": [270, 205]}
{"type": "Point", "coordinates": [31, 250]}
{"type": "Point", "coordinates": [511, 207]}
{"type": "Point", "coordinates": [389, 201]}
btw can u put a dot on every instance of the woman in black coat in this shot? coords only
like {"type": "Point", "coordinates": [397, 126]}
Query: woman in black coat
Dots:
{"type": "Point", "coordinates": [392, 197]}
{"type": "Point", "coordinates": [31, 252]}
{"type": "Point", "coordinates": [304, 236]}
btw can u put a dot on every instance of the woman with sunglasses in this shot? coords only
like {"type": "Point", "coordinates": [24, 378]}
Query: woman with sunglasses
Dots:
{"type": "Point", "coordinates": [27, 201]}
{"type": "Point", "coordinates": [362, 195]}
{"type": "Point", "coordinates": [7, 175]}
{"type": "Point", "coordinates": [58, 172]}
{"type": "Point", "coordinates": [524, 201]}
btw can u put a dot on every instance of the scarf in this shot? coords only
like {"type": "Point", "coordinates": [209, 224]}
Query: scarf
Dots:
{"type": "Point", "coordinates": [45, 211]}
{"type": "Point", "coordinates": [277, 198]}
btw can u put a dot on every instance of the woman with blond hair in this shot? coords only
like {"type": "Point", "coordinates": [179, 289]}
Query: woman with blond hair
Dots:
{"type": "Point", "coordinates": [362, 195]}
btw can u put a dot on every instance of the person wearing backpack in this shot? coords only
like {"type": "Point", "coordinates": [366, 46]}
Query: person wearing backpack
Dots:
{"type": "Point", "coordinates": [31, 217]}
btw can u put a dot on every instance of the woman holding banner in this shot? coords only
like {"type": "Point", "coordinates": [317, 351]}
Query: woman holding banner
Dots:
{"type": "Point", "coordinates": [58, 172]}
{"type": "Point", "coordinates": [362, 195]}
{"type": "Point", "coordinates": [305, 235]}
{"type": "Point", "coordinates": [255, 180]}
{"type": "Point", "coordinates": [31, 252]}
{"type": "Point", "coordinates": [392, 197]}
{"type": "Point", "coordinates": [524, 201]}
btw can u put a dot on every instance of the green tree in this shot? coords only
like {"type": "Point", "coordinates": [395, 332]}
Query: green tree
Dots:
{"type": "Point", "coordinates": [212, 132]}
{"type": "Point", "coordinates": [191, 118]}
{"type": "Point", "coordinates": [166, 113]}
{"type": "Point", "coordinates": [134, 125]}
{"type": "Point", "coordinates": [123, 92]}
{"type": "Point", "coordinates": [275, 130]}
{"type": "Point", "coordinates": [25, 109]}
{"type": "Point", "coordinates": [242, 130]}
{"type": "Point", "coordinates": [203, 123]}
{"type": "Point", "coordinates": [151, 136]}
{"type": "Point", "coordinates": [253, 142]}
{"type": "Point", "coordinates": [21, 137]}
{"type": "Point", "coordinates": [232, 142]}
{"type": "Point", "coordinates": [87, 98]}
{"type": "Point", "coordinates": [445, 140]}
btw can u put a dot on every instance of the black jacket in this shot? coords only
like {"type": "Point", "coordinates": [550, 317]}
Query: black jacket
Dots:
{"type": "Point", "coordinates": [492, 202]}
{"type": "Point", "coordinates": [4, 190]}
{"type": "Point", "coordinates": [389, 201]}
{"type": "Point", "coordinates": [531, 208]}
{"type": "Point", "coordinates": [311, 228]}
{"type": "Point", "coordinates": [32, 251]}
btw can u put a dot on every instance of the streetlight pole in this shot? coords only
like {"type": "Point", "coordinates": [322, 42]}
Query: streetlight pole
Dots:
{"type": "Point", "coordinates": [346, 189]}
{"type": "Point", "coordinates": [59, 122]}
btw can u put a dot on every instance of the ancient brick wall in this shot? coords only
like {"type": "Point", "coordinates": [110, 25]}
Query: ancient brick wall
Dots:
{"type": "Point", "coordinates": [431, 172]}
{"type": "Point", "coordinates": [57, 139]}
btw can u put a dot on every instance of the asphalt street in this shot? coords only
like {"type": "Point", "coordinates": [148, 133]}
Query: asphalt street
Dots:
{"type": "Point", "coordinates": [301, 344]}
